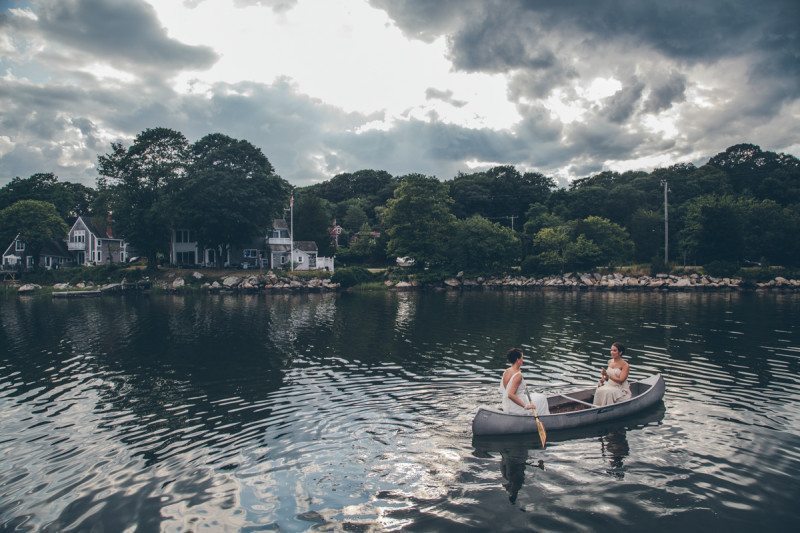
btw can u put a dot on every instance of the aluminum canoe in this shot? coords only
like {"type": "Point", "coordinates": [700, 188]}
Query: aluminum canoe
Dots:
{"type": "Point", "coordinates": [570, 410]}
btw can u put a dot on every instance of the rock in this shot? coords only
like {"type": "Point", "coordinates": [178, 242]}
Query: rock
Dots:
{"type": "Point", "coordinates": [460, 274]}
{"type": "Point", "coordinates": [780, 281]}
{"type": "Point", "coordinates": [403, 285]}
{"type": "Point", "coordinates": [452, 283]}
{"type": "Point", "coordinates": [111, 287]}
{"type": "Point", "coordinates": [205, 285]}
{"type": "Point", "coordinates": [178, 283]}
{"type": "Point", "coordinates": [662, 276]}
{"type": "Point", "coordinates": [28, 287]}
{"type": "Point", "coordinates": [197, 275]}
{"type": "Point", "coordinates": [587, 280]}
{"type": "Point", "coordinates": [480, 279]}
{"type": "Point", "coordinates": [216, 285]}
{"type": "Point", "coordinates": [683, 282]}
{"type": "Point", "coordinates": [295, 284]}
{"type": "Point", "coordinates": [80, 285]}
{"type": "Point", "coordinates": [61, 286]}
{"type": "Point", "coordinates": [656, 284]}
{"type": "Point", "coordinates": [470, 283]}
{"type": "Point", "coordinates": [230, 282]}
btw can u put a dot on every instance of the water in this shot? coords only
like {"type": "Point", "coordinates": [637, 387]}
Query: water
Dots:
{"type": "Point", "coordinates": [353, 411]}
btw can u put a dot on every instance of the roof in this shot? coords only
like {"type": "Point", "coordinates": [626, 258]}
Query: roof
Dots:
{"type": "Point", "coordinates": [8, 248]}
{"type": "Point", "coordinates": [91, 227]}
{"type": "Point", "coordinates": [279, 223]}
{"type": "Point", "coordinates": [306, 246]}
{"type": "Point", "coordinates": [55, 248]}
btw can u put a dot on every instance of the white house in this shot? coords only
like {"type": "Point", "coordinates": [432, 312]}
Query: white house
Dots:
{"type": "Point", "coordinates": [305, 256]}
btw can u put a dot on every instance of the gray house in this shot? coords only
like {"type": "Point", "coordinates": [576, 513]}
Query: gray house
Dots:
{"type": "Point", "coordinates": [89, 245]}
{"type": "Point", "coordinates": [53, 255]}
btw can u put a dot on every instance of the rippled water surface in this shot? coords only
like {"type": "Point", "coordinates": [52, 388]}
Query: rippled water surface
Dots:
{"type": "Point", "coordinates": [353, 412]}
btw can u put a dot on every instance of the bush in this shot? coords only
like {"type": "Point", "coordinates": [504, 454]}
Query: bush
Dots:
{"type": "Point", "coordinates": [658, 266]}
{"type": "Point", "coordinates": [721, 268]}
{"type": "Point", "coordinates": [349, 276]}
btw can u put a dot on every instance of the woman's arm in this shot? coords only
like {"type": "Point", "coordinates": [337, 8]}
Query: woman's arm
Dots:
{"type": "Point", "coordinates": [513, 386]}
{"type": "Point", "coordinates": [623, 374]}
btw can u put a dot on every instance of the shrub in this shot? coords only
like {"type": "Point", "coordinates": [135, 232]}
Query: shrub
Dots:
{"type": "Point", "coordinates": [349, 276]}
{"type": "Point", "coordinates": [721, 268]}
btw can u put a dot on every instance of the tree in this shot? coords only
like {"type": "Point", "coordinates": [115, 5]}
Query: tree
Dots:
{"type": "Point", "coordinates": [480, 246]}
{"type": "Point", "coordinates": [229, 194]}
{"type": "Point", "coordinates": [613, 242]}
{"type": "Point", "coordinates": [69, 199]}
{"type": "Point", "coordinates": [354, 218]}
{"type": "Point", "coordinates": [713, 230]}
{"type": "Point", "coordinates": [418, 220]}
{"type": "Point", "coordinates": [312, 219]}
{"type": "Point", "coordinates": [135, 181]}
{"type": "Point", "coordinates": [646, 228]}
{"type": "Point", "coordinates": [538, 217]}
{"type": "Point", "coordinates": [36, 223]}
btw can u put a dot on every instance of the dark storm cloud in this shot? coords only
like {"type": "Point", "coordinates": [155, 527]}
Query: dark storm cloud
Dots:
{"type": "Point", "coordinates": [432, 93]}
{"type": "Point", "coordinates": [621, 105]}
{"type": "Point", "coordinates": [664, 94]}
{"type": "Point", "coordinates": [124, 33]}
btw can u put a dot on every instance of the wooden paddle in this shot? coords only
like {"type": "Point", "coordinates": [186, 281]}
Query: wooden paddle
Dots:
{"type": "Point", "coordinates": [539, 425]}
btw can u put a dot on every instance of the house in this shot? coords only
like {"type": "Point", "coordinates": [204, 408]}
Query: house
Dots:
{"type": "Point", "coordinates": [185, 251]}
{"type": "Point", "coordinates": [91, 246]}
{"type": "Point", "coordinates": [281, 247]}
{"type": "Point", "coordinates": [54, 254]}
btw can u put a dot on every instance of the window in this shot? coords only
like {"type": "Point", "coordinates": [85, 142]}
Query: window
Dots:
{"type": "Point", "coordinates": [30, 260]}
{"type": "Point", "coordinates": [283, 259]}
{"type": "Point", "coordinates": [250, 253]}
{"type": "Point", "coordinates": [78, 235]}
{"type": "Point", "coordinates": [280, 234]}
{"type": "Point", "coordinates": [299, 258]}
{"type": "Point", "coordinates": [99, 256]}
{"type": "Point", "coordinates": [312, 260]}
{"type": "Point", "coordinates": [184, 235]}
{"type": "Point", "coordinates": [19, 246]}
{"type": "Point", "coordinates": [185, 258]}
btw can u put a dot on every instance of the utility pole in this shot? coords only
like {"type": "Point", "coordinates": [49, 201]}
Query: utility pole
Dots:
{"type": "Point", "coordinates": [666, 223]}
{"type": "Point", "coordinates": [512, 217]}
{"type": "Point", "coordinates": [291, 233]}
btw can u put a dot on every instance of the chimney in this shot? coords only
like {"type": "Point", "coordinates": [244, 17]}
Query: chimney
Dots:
{"type": "Point", "coordinates": [109, 229]}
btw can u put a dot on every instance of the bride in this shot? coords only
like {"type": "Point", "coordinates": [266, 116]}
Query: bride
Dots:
{"type": "Point", "coordinates": [613, 386]}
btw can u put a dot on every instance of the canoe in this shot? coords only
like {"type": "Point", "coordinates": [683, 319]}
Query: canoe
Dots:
{"type": "Point", "coordinates": [570, 410]}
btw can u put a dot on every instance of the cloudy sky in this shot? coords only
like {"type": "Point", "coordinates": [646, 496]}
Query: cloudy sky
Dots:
{"type": "Point", "coordinates": [567, 88]}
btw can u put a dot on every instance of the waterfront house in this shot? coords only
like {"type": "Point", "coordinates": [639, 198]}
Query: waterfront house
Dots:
{"type": "Point", "coordinates": [16, 256]}
{"type": "Point", "coordinates": [89, 245]}
{"type": "Point", "coordinates": [306, 256]}
{"type": "Point", "coordinates": [185, 251]}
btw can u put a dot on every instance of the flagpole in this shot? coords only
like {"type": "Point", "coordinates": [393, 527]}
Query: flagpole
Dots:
{"type": "Point", "coordinates": [291, 233]}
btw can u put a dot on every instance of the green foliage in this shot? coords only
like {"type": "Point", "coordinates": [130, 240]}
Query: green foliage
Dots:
{"type": "Point", "coordinates": [228, 194]}
{"type": "Point", "coordinates": [721, 268]}
{"type": "Point", "coordinates": [354, 218]}
{"type": "Point", "coordinates": [612, 241]}
{"type": "Point", "coordinates": [36, 222]}
{"type": "Point", "coordinates": [477, 245]}
{"type": "Point", "coordinates": [646, 228]}
{"type": "Point", "coordinates": [69, 199]}
{"type": "Point", "coordinates": [418, 220]}
{"type": "Point", "coordinates": [135, 181]}
{"type": "Point", "coordinates": [538, 217]}
{"type": "Point", "coordinates": [312, 219]}
{"type": "Point", "coordinates": [350, 276]}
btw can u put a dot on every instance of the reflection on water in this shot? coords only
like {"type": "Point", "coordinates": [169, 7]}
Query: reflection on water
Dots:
{"type": "Point", "coordinates": [353, 411]}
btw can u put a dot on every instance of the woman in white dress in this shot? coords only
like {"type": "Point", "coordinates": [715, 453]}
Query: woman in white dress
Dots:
{"type": "Point", "coordinates": [514, 393]}
{"type": "Point", "coordinates": [613, 386]}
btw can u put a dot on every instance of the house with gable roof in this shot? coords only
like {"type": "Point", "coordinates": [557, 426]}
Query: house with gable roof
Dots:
{"type": "Point", "coordinates": [91, 245]}
{"type": "Point", "coordinates": [283, 250]}
{"type": "Point", "coordinates": [16, 256]}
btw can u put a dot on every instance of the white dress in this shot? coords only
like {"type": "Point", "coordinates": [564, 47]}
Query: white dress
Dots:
{"type": "Point", "coordinates": [538, 399]}
{"type": "Point", "coordinates": [611, 391]}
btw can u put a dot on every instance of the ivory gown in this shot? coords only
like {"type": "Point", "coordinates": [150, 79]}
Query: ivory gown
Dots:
{"type": "Point", "coordinates": [611, 391]}
{"type": "Point", "coordinates": [538, 399]}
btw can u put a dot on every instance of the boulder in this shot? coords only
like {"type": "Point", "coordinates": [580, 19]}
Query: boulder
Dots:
{"type": "Point", "coordinates": [587, 280]}
{"type": "Point", "coordinates": [80, 285]}
{"type": "Point", "coordinates": [177, 283]}
{"type": "Point", "coordinates": [230, 282]}
{"type": "Point", "coordinates": [197, 275]}
{"type": "Point", "coordinates": [61, 286]}
{"type": "Point", "coordinates": [296, 284]}
{"type": "Point", "coordinates": [683, 282]}
{"type": "Point", "coordinates": [403, 285]}
{"type": "Point", "coordinates": [216, 285]}
{"type": "Point", "coordinates": [28, 287]}
{"type": "Point", "coordinates": [452, 283]}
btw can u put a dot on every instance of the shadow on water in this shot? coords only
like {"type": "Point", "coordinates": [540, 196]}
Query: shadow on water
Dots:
{"type": "Point", "coordinates": [612, 437]}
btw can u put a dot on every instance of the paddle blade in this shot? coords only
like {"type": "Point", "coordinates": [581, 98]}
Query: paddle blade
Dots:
{"type": "Point", "coordinates": [542, 432]}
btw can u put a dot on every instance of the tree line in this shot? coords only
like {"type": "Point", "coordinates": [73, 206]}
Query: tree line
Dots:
{"type": "Point", "coordinates": [741, 207]}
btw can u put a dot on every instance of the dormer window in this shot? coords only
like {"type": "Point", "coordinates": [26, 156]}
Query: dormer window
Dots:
{"type": "Point", "coordinates": [78, 235]}
{"type": "Point", "coordinates": [19, 246]}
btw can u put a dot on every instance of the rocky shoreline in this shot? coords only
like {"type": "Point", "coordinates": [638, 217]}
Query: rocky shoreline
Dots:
{"type": "Point", "coordinates": [270, 282]}
{"type": "Point", "coordinates": [603, 282]}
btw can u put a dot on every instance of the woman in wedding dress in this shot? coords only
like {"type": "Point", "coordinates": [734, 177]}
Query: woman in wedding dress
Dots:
{"type": "Point", "coordinates": [514, 393]}
{"type": "Point", "coordinates": [613, 386]}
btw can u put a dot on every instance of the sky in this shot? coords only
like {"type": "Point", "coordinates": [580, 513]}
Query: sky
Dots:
{"type": "Point", "coordinates": [566, 88]}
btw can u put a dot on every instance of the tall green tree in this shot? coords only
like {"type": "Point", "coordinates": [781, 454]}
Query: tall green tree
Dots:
{"type": "Point", "coordinates": [418, 220]}
{"type": "Point", "coordinates": [135, 182]}
{"type": "Point", "coordinates": [69, 199]}
{"type": "Point", "coordinates": [36, 223]}
{"type": "Point", "coordinates": [478, 245]}
{"type": "Point", "coordinates": [228, 196]}
{"type": "Point", "coordinates": [312, 220]}
{"type": "Point", "coordinates": [612, 240]}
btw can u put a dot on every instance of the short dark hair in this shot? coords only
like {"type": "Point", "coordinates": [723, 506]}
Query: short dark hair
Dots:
{"type": "Point", "coordinates": [513, 354]}
{"type": "Point", "coordinates": [619, 346]}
